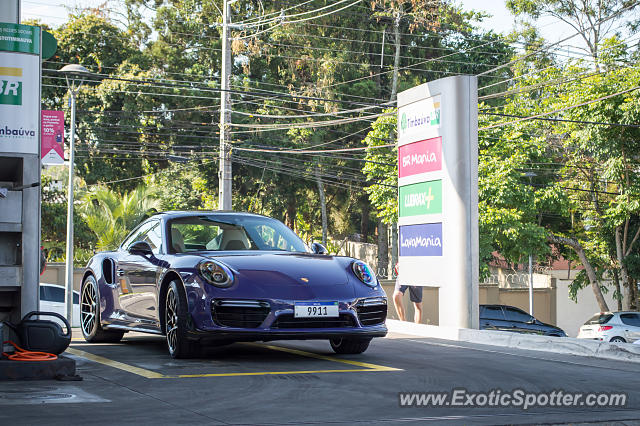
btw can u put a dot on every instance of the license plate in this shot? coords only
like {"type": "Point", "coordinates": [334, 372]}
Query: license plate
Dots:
{"type": "Point", "coordinates": [315, 309]}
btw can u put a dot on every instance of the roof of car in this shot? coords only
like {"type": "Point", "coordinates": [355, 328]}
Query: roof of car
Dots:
{"type": "Point", "coordinates": [181, 213]}
{"type": "Point", "coordinates": [495, 304]}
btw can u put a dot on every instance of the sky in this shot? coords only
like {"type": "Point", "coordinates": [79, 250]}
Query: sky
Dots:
{"type": "Point", "coordinates": [54, 12]}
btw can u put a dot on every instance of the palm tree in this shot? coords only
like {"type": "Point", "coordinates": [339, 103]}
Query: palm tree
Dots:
{"type": "Point", "coordinates": [112, 216]}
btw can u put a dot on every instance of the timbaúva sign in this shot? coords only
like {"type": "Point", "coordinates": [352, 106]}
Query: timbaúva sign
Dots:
{"type": "Point", "coordinates": [19, 88]}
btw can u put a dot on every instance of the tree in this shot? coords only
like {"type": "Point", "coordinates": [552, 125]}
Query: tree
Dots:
{"type": "Point", "coordinates": [593, 20]}
{"type": "Point", "coordinates": [111, 216]}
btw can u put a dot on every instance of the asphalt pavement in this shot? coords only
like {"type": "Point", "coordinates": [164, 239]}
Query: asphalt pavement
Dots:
{"type": "Point", "coordinates": [135, 382]}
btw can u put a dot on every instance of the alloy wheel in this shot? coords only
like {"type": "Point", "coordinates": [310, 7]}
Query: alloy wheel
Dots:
{"type": "Point", "coordinates": [88, 308]}
{"type": "Point", "coordinates": [172, 320]}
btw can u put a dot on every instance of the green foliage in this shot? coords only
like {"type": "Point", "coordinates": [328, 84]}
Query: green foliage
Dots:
{"type": "Point", "coordinates": [111, 216]}
{"type": "Point", "coordinates": [381, 167]}
{"type": "Point", "coordinates": [54, 225]}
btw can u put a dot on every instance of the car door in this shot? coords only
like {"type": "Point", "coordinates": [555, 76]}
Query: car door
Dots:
{"type": "Point", "coordinates": [137, 276]}
{"type": "Point", "coordinates": [492, 318]}
{"type": "Point", "coordinates": [631, 323]}
{"type": "Point", "coordinates": [521, 321]}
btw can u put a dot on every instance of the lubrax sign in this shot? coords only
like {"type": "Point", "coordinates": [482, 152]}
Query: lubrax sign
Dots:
{"type": "Point", "coordinates": [438, 194]}
{"type": "Point", "coordinates": [19, 88]}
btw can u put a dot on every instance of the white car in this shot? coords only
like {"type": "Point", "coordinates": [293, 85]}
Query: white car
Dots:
{"type": "Point", "coordinates": [52, 300]}
{"type": "Point", "coordinates": [621, 327]}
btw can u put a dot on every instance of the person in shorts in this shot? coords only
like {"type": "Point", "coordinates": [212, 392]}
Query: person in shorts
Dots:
{"type": "Point", "coordinates": [415, 296]}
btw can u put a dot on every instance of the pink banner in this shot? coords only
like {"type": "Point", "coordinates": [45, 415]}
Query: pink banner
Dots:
{"type": "Point", "coordinates": [420, 157]}
{"type": "Point", "coordinates": [52, 137]}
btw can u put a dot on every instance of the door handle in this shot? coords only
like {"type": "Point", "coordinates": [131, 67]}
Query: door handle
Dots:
{"type": "Point", "coordinates": [121, 272]}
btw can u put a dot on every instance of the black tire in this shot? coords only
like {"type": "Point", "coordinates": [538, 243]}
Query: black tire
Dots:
{"type": "Point", "coordinates": [177, 323]}
{"type": "Point", "coordinates": [349, 346]}
{"type": "Point", "coordinates": [92, 331]}
{"type": "Point", "coordinates": [617, 339]}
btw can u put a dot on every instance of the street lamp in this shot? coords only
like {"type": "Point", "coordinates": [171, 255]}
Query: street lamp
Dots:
{"type": "Point", "coordinates": [75, 75]}
{"type": "Point", "coordinates": [530, 175]}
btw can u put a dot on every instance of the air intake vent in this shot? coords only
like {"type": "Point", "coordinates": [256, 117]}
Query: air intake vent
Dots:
{"type": "Point", "coordinates": [372, 311]}
{"type": "Point", "coordinates": [289, 321]}
{"type": "Point", "coordinates": [239, 313]}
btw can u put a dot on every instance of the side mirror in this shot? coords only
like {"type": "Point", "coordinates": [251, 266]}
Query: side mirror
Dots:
{"type": "Point", "coordinates": [318, 248]}
{"type": "Point", "coordinates": [140, 247]}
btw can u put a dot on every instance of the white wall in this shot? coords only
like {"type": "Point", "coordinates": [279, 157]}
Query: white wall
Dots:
{"type": "Point", "coordinates": [571, 315]}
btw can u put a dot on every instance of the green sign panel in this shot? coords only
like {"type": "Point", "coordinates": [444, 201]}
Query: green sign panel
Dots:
{"type": "Point", "coordinates": [10, 92]}
{"type": "Point", "coordinates": [19, 38]}
{"type": "Point", "coordinates": [421, 198]}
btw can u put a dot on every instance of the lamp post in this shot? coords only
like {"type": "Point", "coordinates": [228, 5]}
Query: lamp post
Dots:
{"type": "Point", "coordinates": [74, 74]}
{"type": "Point", "coordinates": [530, 175]}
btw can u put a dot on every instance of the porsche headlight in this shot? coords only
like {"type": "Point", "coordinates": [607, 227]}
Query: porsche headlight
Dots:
{"type": "Point", "coordinates": [364, 273]}
{"type": "Point", "coordinates": [215, 273]}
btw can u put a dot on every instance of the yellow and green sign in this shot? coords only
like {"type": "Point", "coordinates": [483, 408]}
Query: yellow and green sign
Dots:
{"type": "Point", "coordinates": [20, 65]}
{"type": "Point", "coordinates": [10, 86]}
{"type": "Point", "coordinates": [421, 198]}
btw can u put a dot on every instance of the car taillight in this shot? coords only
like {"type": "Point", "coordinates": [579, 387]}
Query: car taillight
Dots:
{"type": "Point", "coordinates": [605, 327]}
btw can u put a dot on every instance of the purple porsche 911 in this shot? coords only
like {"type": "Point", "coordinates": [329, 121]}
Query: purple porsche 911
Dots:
{"type": "Point", "coordinates": [212, 278]}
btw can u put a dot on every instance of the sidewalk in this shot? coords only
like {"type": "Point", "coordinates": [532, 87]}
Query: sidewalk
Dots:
{"type": "Point", "coordinates": [560, 345]}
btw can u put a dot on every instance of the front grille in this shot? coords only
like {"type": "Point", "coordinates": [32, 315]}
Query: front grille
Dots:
{"type": "Point", "coordinates": [289, 321]}
{"type": "Point", "coordinates": [372, 311]}
{"type": "Point", "coordinates": [239, 313]}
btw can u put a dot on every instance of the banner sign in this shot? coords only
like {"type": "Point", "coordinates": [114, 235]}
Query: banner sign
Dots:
{"type": "Point", "coordinates": [438, 194]}
{"type": "Point", "coordinates": [19, 102]}
{"type": "Point", "coordinates": [52, 149]}
{"type": "Point", "coordinates": [19, 38]}
{"type": "Point", "coordinates": [421, 240]}
{"type": "Point", "coordinates": [420, 119]}
{"type": "Point", "coordinates": [421, 198]}
{"type": "Point", "coordinates": [420, 157]}
{"type": "Point", "coordinates": [420, 186]}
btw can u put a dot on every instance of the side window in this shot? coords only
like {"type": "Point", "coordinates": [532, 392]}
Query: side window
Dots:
{"type": "Point", "coordinates": [56, 294]}
{"type": "Point", "coordinates": [517, 315]}
{"type": "Point", "coordinates": [630, 319]}
{"type": "Point", "coordinates": [138, 234]}
{"type": "Point", "coordinates": [492, 313]}
{"type": "Point", "coordinates": [44, 296]}
{"type": "Point", "coordinates": [154, 238]}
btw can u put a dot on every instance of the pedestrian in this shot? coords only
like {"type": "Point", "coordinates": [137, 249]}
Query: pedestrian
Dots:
{"type": "Point", "coordinates": [415, 296]}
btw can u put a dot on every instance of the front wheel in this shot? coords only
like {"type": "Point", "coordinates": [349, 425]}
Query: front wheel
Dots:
{"type": "Point", "coordinates": [349, 346]}
{"type": "Point", "coordinates": [92, 331]}
{"type": "Point", "coordinates": [176, 320]}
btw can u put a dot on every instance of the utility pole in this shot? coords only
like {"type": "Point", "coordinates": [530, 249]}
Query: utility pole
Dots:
{"type": "Point", "coordinates": [225, 177]}
{"type": "Point", "coordinates": [530, 175]}
{"type": "Point", "coordinates": [74, 76]}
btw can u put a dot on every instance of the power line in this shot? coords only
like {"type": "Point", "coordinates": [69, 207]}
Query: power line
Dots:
{"type": "Point", "coordinates": [560, 110]}
{"type": "Point", "coordinates": [600, 123]}
{"type": "Point", "coordinates": [613, 15]}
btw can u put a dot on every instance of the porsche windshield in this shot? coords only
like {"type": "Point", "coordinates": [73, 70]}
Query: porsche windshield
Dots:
{"type": "Point", "coordinates": [231, 232]}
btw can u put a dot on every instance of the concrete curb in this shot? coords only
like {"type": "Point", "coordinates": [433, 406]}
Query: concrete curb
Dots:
{"type": "Point", "coordinates": [559, 345]}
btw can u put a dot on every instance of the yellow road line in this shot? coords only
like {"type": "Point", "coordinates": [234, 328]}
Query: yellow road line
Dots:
{"type": "Point", "coordinates": [116, 364]}
{"type": "Point", "coordinates": [154, 375]}
{"type": "Point", "coordinates": [328, 358]}
{"type": "Point", "coordinates": [11, 71]}
{"type": "Point", "coordinates": [265, 373]}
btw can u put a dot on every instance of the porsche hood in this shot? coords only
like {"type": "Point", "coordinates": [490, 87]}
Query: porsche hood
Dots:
{"type": "Point", "coordinates": [286, 275]}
